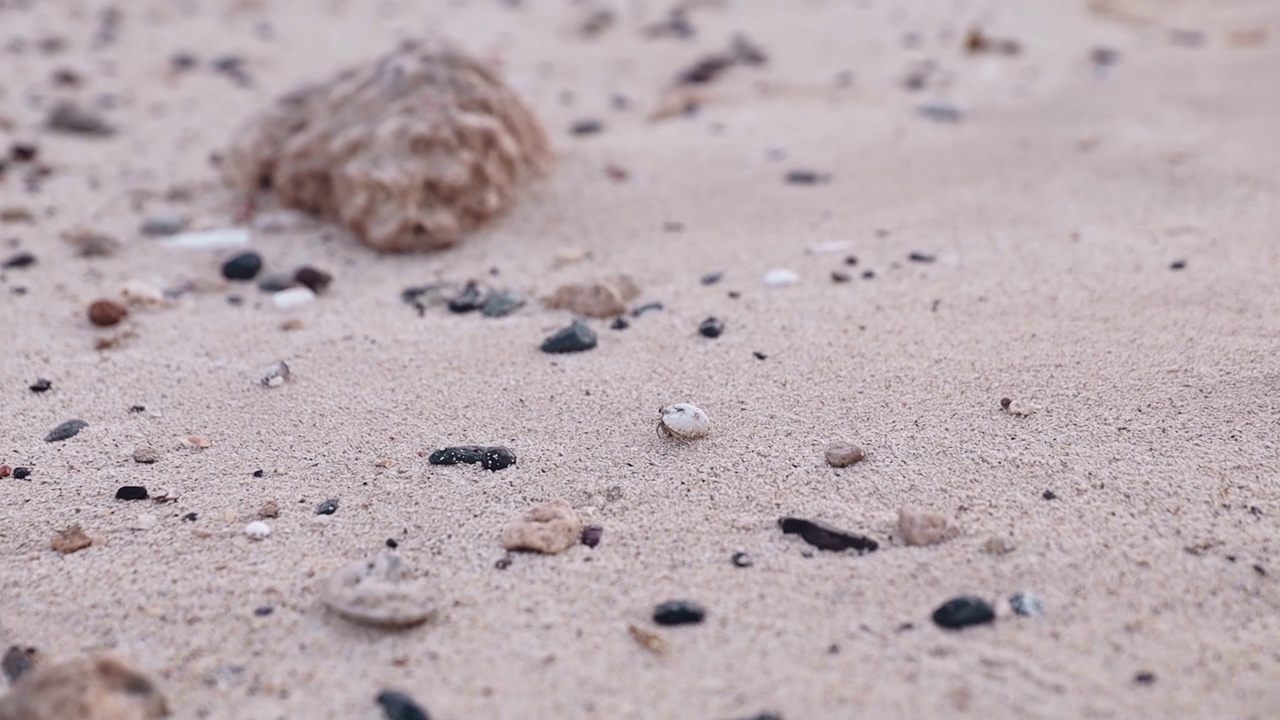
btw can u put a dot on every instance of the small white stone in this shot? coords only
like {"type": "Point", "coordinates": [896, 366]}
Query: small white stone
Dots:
{"type": "Point", "coordinates": [292, 298]}
{"type": "Point", "coordinates": [278, 221]}
{"type": "Point", "coordinates": [257, 530]}
{"type": "Point", "coordinates": [145, 521]}
{"type": "Point", "coordinates": [780, 277]}
{"type": "Point", "coordinates": [136, 292]}
{"type": "Point", "coordinates": [1018, 409]}
{"type": "Point", "coordinates": [210, 239]}
{"type": "Point", "coordinates": [275, 375]}
{"type": "Point", "coordinates": [683, 420]}
{"type": "Point", "coordinates": [830, 247]}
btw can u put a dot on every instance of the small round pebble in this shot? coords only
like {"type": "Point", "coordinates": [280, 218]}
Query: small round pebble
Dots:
{"type": "Point", "coordinates": [962, 612]}
{"type": "Point", "coordinates": [328, 507]}
{"type": "Point", "coordinates": [842, 453]}
{"type": "Point", "coordinates": [780, 277]}
{"type": "Point", "coordinates": [145, 455]}
{"type": "Point", "coordinates": [275, 375]}
{"type": "Point", "coordinates": [243, 266]}
{"type": "Point", "coordinates": [257, 530]}
{"type": "Point", "coordinates": [132, 492]}
{"type": "Point", "coordinates": [742, 560]}
{"type": "Point", "coordinates": [679, 612]}
{"type": "Point", "coordinates": [711, 327]}
{"type": "Point", "coordinates": [105, 313]}
{"type": "Point", "coordinates": [683, 420]}
{"type": "Point", "coordinates": [291, 298]}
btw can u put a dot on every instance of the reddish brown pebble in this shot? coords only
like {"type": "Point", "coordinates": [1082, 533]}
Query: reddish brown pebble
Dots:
{"type": "Point", "coordinates": [4, 471]}
{"type": "Point", "coordinates": [105, 313]}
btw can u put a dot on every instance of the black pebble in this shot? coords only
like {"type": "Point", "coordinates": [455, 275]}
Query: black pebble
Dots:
{"type": "Point", "coordinates": [18, 661]}
{"type": "Point", "coordinates": [20, 260]}
{"type": "Point", "coordinates": [742, 560]}
{"type": "Point", "coordinates": [1178, 265]}
{"type": "Point", "coordinates": [137, 408]}
{"type": "Point", "coordinates": [41, 385]}
{"type": "Point", "coordinates": [503, 563]}
{"type": "Point", "coordinates": [711, 327]}
{"type": "Point", "coordinates": [840, 276]}
{"type": "Point", "coordinates": [760, 356]}
{"type": "Point", "coordinates": [1049, 495]}
{"type": "Point", "coordinates": [587, 127]}
{"type": "Point", "coordinates": [263, 611]}
{"type": "Point", "coordinates": [471, 298]}
{"type": "Point", "coordinates": [678, 612]}
{"type": "Point", "coordinates": [647, 307]}
{"type": "Point", "coordinates": [66, 430]}
{"type": "Point", "coordinates": [591, 535]}
{"type": "Point", "coordinates": [851, 260]}
{"type": "Point", "coordinates": [328, 507]}
{"type": "Point", "coordinates": [497, 458]}
{"type": "Point", "coordinates": [1145, 678]}
{"type": "Point", "coordinates": [21, 473]}
{"type": "Point", "coordinates": [132, 492]}
{"type": "Point", "coordinates": [314, 279]}
{"type": "Point", "coordinates": [23, 152]}
{"type": "Point", "coordinates": [868, 274]}
{"type": "Point", "coordinates": [244, 266]}
{"type": "Point", "coordinates": [921, 257]}
{"type": "Point", "coordinates": [826, 538]}
{"type": "Point", "coordinates": [575, 338]}
{"type": "Point", "coordinates": [190, 517]}
{"type": "Point", "coordinates": [258, 473]}
{"type": "Point", "coordinates": [501, 304]}
{"type": "Point", "coordinates": [619, 323]}
{"type": "Point", "coordinates": [712, 278]}
{"type": "Point", "coordinates": [962, 612]}
{"type": "Point", "coordinates": [398, 706]}
{"type": "Point", "coordinates": [807, 177]}
{"type": "Point", "coordinates": [391, 543]}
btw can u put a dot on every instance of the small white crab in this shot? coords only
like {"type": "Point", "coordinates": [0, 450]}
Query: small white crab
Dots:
{"type": "Point", "coordinates": [684, 421]}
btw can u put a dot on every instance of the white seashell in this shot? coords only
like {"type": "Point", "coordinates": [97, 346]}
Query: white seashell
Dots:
{"type": "Point", "coordinates": [257, 530]}
{"type": "Point", "coordinates": [276, 375]}
{"type": "Point", "coordinates": [683, 420]}
{"type": "Point", "coordinates": [780, 277]}
{"type": "Point", "coordinates": [292, 298]}
{"type": "Point", "coordinates": [210, 239]}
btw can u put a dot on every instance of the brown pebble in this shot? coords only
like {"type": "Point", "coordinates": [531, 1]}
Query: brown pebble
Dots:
{"type": "Point", "coordinates": [71, 540]}
{"type": "Point", "coordinates": [314, 279]}
{"type": "Point", "coordinates": [603, 298]}
{"type": "Point", "coordinates": [145, 455]}
{"type": "Point", "coordinates": [843, 454]}
{"type": "Point", "coordinates": [105, 313]}
{"type": "Point", "coordinates": [549, 528]}
{"type": "Point", "coordinates": [269, 509]}
{"type": "Point", "coordinates": [98, 687]}
{"type": "Point", "coordinates": [923, 527]}
{"type": "Point", "coordinates": [198, 442]}
{"type": "Point", "coordinates": [5, 470]}
{"type": "Point", "coordinates": [998, 545]}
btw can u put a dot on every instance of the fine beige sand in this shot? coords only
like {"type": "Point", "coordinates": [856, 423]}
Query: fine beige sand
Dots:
{"type": "Point", "coordinates": [1054, 209]}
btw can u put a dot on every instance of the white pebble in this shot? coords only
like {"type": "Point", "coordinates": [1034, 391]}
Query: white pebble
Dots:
{"type": "Point", "coordinates": [683, 420]}
{"type": "Point", "coordinates": [292, 298]}
{"type": "Point", "coordinates": [257, 530]}
{"type": "Point", "coordinates": [278, 221]}
{"type": "Point", "coordinates": [136, 292]}
{"type": "Point", "coordinates": [830, 247]}
{"type": "Point", "coordinates": [210, 239]}
{"type": "Point", "coordinates": [276, 375]}
{"type": "Point", "coordinates": [780, 277]}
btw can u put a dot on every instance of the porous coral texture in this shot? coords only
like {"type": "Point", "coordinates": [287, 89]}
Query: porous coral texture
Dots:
{"type": "Point", "coordinates": [410, 151]}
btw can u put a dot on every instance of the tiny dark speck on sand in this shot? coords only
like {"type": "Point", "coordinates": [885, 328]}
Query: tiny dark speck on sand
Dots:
{"type": "Point", "coordinates": [1178, 265]}
{"type": "Point", "coordinates": [921, 257]}
{"type": "Point", "coordinates": [66, 431]}
{"type": "Point", "coordinates": [1049, 495]}
{"type": "Point", "coordinates": [678, 612]}
{"type": "Point", "coordinates": [398, 706]}
{"type": "Point", "coordinates": [1145, 678]}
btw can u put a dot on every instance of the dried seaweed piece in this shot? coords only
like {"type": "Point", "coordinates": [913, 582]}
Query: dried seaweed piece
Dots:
{"type": "Point", "coordinates": [410, 150]}
{"type": "Point", "coordinates": [826, 538]}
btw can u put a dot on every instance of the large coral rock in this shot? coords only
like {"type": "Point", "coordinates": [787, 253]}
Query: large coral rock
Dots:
{"type": "Point", "coordinates": [410, 151]}
{"type": "Point", "coordinates": [86, 688]}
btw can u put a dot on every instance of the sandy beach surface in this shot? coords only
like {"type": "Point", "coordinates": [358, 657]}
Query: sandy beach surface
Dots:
{"type": "Point", "coordinates": [1089, 191]}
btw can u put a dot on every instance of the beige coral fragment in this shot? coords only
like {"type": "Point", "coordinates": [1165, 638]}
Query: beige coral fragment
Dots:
{"type": "Point", "coordinates": [549, 528]}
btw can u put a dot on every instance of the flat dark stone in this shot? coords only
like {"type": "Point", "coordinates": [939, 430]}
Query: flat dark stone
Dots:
{"type": "Point", "coordinates": [244, 266]}
{"type": "Point", "coordinates": [575, 338]}
{"type": "Point", "coordinates": [21, 473]}
{"type": "Point", "coordinates": [328, 507]}
{"type": "Point", "coordinates": [807, 177]}
{"type": "Point", "coordinates": [132, 492]}
{"type": "Point", "coordinates": [471, 298]}
{"type": "Point", "coordinates": [66, 430]}
{"type": "Point", "coordinates": [18, 661]}
{"type": "Point", "coordinates": [679, 612]}
{"type": "Point", "coordinates": [711, 278]}
{"type": "Point", "coordinates": [619, 323]}
{"type": "Point", "coordinates": [711, 327]}
{"type": "Point", "coordinates": [647, 307]}
{"type": "Point", "coordinates": [826, 538]}
{"type": "Point", "coordinates": [495, 457]}
{"type": "Point", "coordinates": [962, 612]}
{"type": "Point", "coordinates": [275, 283]}
{"type": "Point", "coordinates": [40, 385]}
{"type": "Point", "coordinates": [21, 260]}
{"type": "Point", "coordinates": [940, 113]}
{"type": "Point", "coordinates": [67, 117]}
{"type": "Point", "coordinates": [921, 257]}
{"type": "Point", "coordinates": [398, 706]}
{"type": "Point", "coordinates": [587, 127]}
